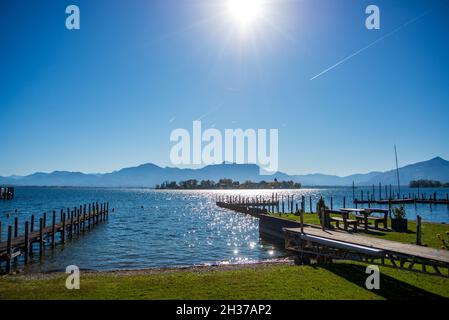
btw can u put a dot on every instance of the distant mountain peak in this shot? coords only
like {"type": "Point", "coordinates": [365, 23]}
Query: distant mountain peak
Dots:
{"type": "Point", "coordinates": [149, 174]}
{"type": "Point", "coordinates": [438, 159]}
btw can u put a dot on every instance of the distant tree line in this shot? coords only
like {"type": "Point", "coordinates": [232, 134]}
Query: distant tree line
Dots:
{"type": "Point", "coordinates": [194, 184]}
{"type": "Point", "coordinates": [428, 184]}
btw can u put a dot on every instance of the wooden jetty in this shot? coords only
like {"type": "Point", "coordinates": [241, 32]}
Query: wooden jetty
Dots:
{"type": "Point", "coordinates": [388, 197]}
{"type": "Point", "coordinates": [71, 222]}
{"type": "Point", "coordinates": [403, 201]}
{"type": "Point", "coordinates": [252, 206]}
{"type": "Point", "coordinates": [312, 242]}
{"type": "Point", "coordinates": [325, 244]}
{"type": "Point", "coordinates": [6, 193]}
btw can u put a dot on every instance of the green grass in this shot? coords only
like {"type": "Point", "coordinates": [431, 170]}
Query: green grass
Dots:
{"type": "Point", "coordinates": [430, 230]}
{"type": "Point", "coordinates": [342, 280]}
{"type": "Point", "coordinates": [337, 281]}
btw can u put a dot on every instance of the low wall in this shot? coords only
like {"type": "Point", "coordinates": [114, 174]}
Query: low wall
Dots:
{"type": "Point", "coordinates": [271, 227]}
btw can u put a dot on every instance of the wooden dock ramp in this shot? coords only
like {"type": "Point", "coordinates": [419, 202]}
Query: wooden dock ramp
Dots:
{"type": "Point", "coordinates": [335, 244]}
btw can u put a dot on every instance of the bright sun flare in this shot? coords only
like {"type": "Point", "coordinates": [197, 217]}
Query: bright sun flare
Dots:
{"type": "Point", "coordinates": [246, 12]}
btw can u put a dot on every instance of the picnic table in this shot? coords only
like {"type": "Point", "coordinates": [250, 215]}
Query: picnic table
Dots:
{"type": "Point", "coordinates": [365, 215]}
{"type": "Point", "coordinates": [344, 219]}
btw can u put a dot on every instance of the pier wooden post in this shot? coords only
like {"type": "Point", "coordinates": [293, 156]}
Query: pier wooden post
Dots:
{"type": "Point", "coordinates": [380, 191]}
{"type": "Point", "coordinates": [88, 216]}
{"type": "Point", "coordinates": [97, 213]}
{"type": "Point", "coordinates": [310, 204]}
{"type": "Point", "coordinates": [27, 242]}
{"type": "Point", "coordinates": [53, 229]}
{"type": "Point", "coordinates": [302, 221]}
{"type": "Point", "coordinates": [332, 203]}
{"type": "Point", "coordinates": [16, 227]}
{"type": "Point", "coordinates": [71, 225]}
{"type": "Point", "coordinates": [84, 218]}
{"type": "Point", "coordinates": [63, 227]}
{"type": "Point", "coordinates": [0, 234]}
{"type": "Point", "coordinates": [9, 250]}
{"type": "Point", "coordinates": [344, 202]}
{"type": "Point", "coordinates": [78, 222]}
{"type": "Point", "coordinates": [45, 219]}
{"type": "Point", "coordinates": [41, 236]}
{"type": "Point", "coordinates": [418, 230]}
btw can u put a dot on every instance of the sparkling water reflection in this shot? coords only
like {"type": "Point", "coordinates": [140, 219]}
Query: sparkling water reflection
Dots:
{"type": "Point", "coordinates": [166, 228]}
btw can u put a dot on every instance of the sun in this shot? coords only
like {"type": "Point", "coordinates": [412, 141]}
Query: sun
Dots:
{"type": "Point", "coordinates": [246, 13]}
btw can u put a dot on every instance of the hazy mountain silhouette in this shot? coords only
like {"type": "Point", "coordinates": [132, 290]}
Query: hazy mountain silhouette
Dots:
{"type": "Point", "coordinates": [148, 175]}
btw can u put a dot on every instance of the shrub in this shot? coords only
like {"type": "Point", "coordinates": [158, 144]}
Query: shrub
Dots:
{"type": "Point", "coordinates": [399, 213]}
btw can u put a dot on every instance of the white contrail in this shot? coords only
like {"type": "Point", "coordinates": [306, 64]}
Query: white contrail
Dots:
{"type": "Point", "coordinates": [372, 44]}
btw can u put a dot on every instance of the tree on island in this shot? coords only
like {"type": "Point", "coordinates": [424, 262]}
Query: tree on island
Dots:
{"type": "Point", "coordinates": [427, 184]}
{"type": "Point", "coordinates": [193, 184]}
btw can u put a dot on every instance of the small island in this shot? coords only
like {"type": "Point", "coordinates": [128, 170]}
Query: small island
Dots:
{"type": "Point", "coordinates": [428, 184]}
{"type": "Point", "coordinates": [194, 184]}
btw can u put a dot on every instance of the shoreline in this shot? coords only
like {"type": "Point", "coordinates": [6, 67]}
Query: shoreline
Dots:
{"type": "Point", "coordinates": [35, 275]}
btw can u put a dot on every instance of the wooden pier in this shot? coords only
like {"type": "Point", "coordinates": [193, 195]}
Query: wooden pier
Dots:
{"type": "Point", "coordinates": [252, 206]}
{"type": "Point", "coordinates": [323, 245]}
{"type": "Point", "coordinates": [403, 201]}
{"type": "Point", "coordinates": [72, 222]}
{"type": "Point", "coordinates": [6, 193]}
{"type": "Point", "coordinates": [388, 197]}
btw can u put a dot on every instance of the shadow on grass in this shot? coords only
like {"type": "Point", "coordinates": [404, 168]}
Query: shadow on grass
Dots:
{"type": "Point", "coordinates": [390, 288]}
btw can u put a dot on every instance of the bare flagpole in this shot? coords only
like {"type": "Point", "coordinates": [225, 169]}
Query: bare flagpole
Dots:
{"type": "Point", "coordinates": [397, 169]}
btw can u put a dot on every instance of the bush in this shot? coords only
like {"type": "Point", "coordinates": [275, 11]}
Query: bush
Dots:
{"type": "Point", "coordinates": [399, 213]}
{"type": "Point", "coordinates": [444, 243]}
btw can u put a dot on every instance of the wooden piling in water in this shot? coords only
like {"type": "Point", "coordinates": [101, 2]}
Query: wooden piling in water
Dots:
{"type": "Point", "coordinates": [9, 250]}
{"type": "Point", "coordinates": [27, 242]}
{"type": "Point", "coordinates": [78, 222]}
{"type": "Point", "coordinates": [63, 227]}
{"type": "Point", "coordinates": [310, 204]}
{"type": "Point", "coordinates": [72, 222]}
{"type": "Point", "coordinates": [53, 229]}
{"type": "Point", "coordinates": [16, 227]}
{"type": "Point", "coordinates": [84, 220]}
{"type": "Point", "coordinates": [41, 237]}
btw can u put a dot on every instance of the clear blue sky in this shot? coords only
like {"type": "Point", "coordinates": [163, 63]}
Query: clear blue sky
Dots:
{"type": "Point", "coordinates": [107, 96]}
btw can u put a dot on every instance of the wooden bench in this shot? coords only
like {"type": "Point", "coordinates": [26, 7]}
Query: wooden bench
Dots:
{"type": "Point", "coordinates": [344, 219]}
{"type": "Point", "coordinates": [377, 220]}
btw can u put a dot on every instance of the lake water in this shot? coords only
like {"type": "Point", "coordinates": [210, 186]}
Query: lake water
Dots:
{"type": "Point", "coordinates": [166, 228]}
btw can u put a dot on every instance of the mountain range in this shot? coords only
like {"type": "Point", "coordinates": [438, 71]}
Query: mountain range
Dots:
{"type": "Point", "coordinates": [148, 175]}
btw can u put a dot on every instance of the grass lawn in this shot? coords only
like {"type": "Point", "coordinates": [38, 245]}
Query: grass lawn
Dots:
{"type": "Point", "coordinates": [337, 281]}
{"type": "Point", "coordinates": [429, 231]}
{"type": "Point", "coordinates": [341, 280]}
